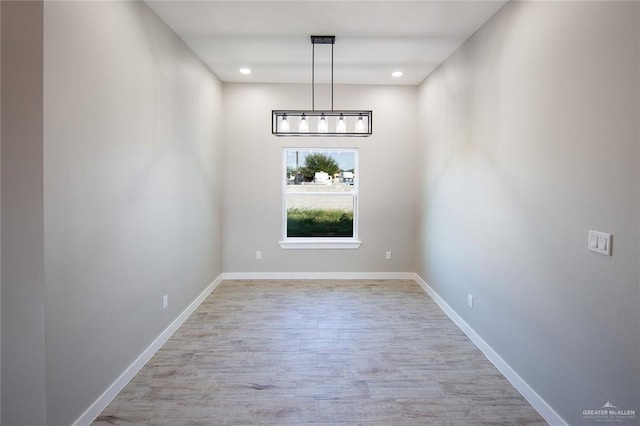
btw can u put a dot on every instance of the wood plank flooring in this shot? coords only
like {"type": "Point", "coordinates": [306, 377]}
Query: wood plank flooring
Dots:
{"type": "Point", "coordinates": [319, 352]}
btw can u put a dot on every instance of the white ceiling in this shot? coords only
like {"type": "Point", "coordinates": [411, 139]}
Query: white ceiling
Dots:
{"type": "Point", "coordinates": [373, 38]}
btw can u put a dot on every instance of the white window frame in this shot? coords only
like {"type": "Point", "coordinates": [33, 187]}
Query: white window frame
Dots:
{"type": "Point", "coordinates": [321, 242]}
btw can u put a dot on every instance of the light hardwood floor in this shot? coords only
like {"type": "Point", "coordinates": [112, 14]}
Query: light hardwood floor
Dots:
{"type": "Point", "coordinates": [319, 352]}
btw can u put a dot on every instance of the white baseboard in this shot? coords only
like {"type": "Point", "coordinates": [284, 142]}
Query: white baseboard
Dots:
{"type": "Point", "coordinates": [521, 386]}
{"type": "Point", "coordinates": [318, 275]}
{"type": "Point", "coordinates": [112, 391]}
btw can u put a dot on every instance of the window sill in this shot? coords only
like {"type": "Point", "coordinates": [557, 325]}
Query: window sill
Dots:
{"type": "Point", "coordinates": [319, 243]}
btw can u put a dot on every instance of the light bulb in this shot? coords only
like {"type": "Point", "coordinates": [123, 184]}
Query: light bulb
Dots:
{"type": "Point", "coordinates": [360, 125]}
{"type": "Point", "coordinates": [303, 125]}
{"type": "Point", "coordinates": [323, 127]}
{"type": "Point", "coordinates": [284, 123]}
{"type": "Point", "coordinates": [341, 127]}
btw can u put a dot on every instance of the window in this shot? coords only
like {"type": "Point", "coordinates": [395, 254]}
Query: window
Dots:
{"type": "Point", "coordinates": [320, 198]}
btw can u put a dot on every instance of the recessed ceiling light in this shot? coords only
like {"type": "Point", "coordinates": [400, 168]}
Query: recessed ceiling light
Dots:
{"type": "Point", "coordinates": [396, 74]}
{"type": "Point", "coordinates": [245, 71]}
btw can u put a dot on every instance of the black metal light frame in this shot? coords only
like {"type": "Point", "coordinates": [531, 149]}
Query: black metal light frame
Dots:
{"type": "Point", "coordinates": [357, 123]}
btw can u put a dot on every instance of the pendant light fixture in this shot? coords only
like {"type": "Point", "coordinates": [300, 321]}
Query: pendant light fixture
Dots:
{"type": "Point", "coordinates": [315, 122]}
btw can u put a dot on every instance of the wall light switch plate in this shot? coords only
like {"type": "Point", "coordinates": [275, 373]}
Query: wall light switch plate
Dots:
{"type": "Point", "coordinates": [600, 242]}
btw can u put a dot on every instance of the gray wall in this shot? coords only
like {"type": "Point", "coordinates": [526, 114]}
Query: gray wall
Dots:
{"type": "Point", "coordinates": [23, 295]}
{"type": "Point", "coordinates": [253, 178]}
{"type": "Point", "coordinates": [530, 137]}
{"type": "Point", "coordinates": [0, 212]}
{"type": "Point", "coordinates": [116, 205]}
{"type": "Point", "coordinates": [133, 151]}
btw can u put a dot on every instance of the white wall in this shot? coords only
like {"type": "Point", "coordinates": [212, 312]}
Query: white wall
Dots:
{"type": "Point", "coordinates": [253, 178]}
{"type": "Point", "coordinates": [131, 203]}
{"type": "Point", "coordinates": [530, 137]}
{"type": "Point", "coordinates": [23, 296]}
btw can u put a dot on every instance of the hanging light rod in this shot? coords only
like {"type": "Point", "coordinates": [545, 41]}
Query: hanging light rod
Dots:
{"type": "Point", "coordinates": [321, 122]}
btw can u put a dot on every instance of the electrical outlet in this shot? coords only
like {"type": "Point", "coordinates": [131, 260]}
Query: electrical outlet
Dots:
{"type": "Point", "coordinates": [258, 255]}
{"type": "Point", "coordinates": [388, 255]}
{"type": "Point", "coordinates": [165, 301]}
{"type": "Point", "coordinates": [470, 300]}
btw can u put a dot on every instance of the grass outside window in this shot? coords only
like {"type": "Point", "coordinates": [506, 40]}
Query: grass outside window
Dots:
{"type": "Point", "coordinates": [313, 223]}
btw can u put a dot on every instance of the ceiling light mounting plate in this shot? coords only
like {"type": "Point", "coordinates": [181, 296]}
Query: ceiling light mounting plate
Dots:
{"type": "Point", "coordinates": [323, 39]}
